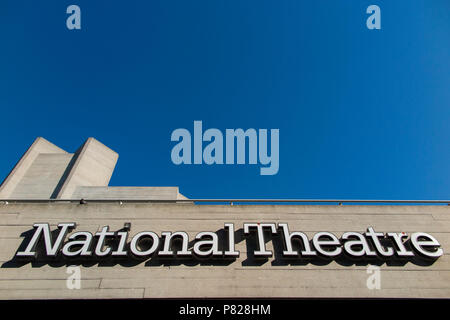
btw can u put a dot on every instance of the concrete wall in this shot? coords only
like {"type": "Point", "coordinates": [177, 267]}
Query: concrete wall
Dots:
{"type": "Point", "coordinates": [126, 193]}
{"type": "Point", "coordinates": [48, 172]}
{"type": "Point", "coordinates": [43, 176]}
{"type": "Point", "coordinates": [241, 278]}
{"type": "Point", "coordinates": [21, 182]}
{"type": "Point", "coordinates": [93, 165]}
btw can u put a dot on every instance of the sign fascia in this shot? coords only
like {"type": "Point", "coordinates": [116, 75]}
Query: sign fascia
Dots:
{"type": "Point", "coordinates": [206, 244]}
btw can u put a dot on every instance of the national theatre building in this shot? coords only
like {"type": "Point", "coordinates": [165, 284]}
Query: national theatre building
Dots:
{"type": "Point", "coordinates": [66, 234]}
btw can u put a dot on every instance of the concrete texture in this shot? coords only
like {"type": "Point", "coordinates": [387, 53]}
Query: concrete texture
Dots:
{"type": "Point", "coordinates": [40, 146]}
{"type": "Point", "coordinates": [93, 166]}
{"type": "Point", "coordinates": [42, 177]}
{"type": "Point", "coordinates": [243, 277]}
{"type": "Point", "coordinates": [127, 193]}
{"type": "Point", "coordinates": [48, 172]}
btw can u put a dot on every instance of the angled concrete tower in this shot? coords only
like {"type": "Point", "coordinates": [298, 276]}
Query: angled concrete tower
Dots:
{"type": "Point", "coordinates": [46, 171]}
{"type": "Point", "coordinates": [92, 165]}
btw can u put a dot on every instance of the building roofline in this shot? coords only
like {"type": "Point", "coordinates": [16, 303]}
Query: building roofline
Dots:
{"type": "Point", "coordinates": [232, 201]}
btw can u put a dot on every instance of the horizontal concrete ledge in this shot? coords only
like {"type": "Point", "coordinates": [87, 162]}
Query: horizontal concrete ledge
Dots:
{"type": "Point", "coordinates": [229, 201]}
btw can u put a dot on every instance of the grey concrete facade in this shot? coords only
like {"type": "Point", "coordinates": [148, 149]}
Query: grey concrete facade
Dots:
{"type": "Point", "coordinates": [186, 278]}
{"type": "Point", "coordinates": [240, 278]}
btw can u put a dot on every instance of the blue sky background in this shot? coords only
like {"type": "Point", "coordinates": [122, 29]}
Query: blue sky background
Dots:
{"type": "Point", "coordinates": [361, 113]}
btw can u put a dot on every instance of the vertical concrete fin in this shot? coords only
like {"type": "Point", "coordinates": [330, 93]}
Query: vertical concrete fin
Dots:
{"type": "Point", "coordinates": [92, 165]}
{"type": "Point", "coordinates": [40, 145]}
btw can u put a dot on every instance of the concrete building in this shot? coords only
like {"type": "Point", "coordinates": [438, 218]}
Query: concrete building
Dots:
{"type": "Point", "coordinates": [47, 186]}
{"type": "Point", "coordinates": [48, 172]}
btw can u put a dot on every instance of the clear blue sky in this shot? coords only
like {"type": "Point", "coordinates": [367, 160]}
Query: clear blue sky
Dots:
{"type": "Point", "coordinates": [362, 114]}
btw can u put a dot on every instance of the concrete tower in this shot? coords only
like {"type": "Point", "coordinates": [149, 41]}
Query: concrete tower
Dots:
{"type": "Point", "coordinates": [46, 171]}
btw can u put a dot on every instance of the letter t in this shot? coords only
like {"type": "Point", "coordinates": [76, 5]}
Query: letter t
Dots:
{"type": "Point", "coordinates": [261, 252]}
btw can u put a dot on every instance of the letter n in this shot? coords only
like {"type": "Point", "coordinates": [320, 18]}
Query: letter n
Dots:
{"type": "Point", "coordinates": [50, 248]}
